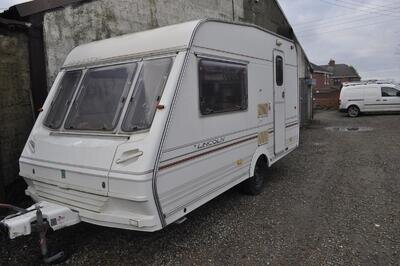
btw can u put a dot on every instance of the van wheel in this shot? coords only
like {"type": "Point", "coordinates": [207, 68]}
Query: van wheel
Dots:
{"type": "Point", "coordinates": [255, 184]}
{"type": "Point", "coordinates": [353, 111]}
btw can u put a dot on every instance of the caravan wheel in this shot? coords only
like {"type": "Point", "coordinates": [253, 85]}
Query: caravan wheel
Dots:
{"type": "Point", "coordinates": [255, 184]}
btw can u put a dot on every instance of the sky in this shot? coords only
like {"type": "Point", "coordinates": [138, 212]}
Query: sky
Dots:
{"type": "Point", "coordinates": [5, 4]}
{"type": "Point", "coordinates": [361, 33]}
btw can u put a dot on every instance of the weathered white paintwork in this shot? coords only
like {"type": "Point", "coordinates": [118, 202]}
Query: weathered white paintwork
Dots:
{"type": "Point", "coordinates": [147, 180]}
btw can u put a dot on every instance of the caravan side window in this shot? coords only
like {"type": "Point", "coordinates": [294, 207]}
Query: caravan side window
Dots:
{"type": "Point", "coordinates": [222, 87]}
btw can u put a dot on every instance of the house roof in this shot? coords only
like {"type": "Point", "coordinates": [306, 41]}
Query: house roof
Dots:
{"type": "Point", "coordinates": [341, 70]}
{"type": "Point", "coordinates": [319, 69]}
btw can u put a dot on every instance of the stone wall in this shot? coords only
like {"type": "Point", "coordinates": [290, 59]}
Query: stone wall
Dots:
{"type": "Point", "coordinates": [94, 20]}
{"type": "Point", "coordinates": [16, 113]}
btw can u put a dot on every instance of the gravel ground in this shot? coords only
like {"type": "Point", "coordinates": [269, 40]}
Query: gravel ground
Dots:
{"type": "Point", "coordinates": [335, 200]}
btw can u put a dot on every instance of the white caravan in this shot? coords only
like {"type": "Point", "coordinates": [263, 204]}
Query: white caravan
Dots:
{"type": "Point", "coordinates": [139, 130]}
{"type": "Point", "coordinates": [369, 97]}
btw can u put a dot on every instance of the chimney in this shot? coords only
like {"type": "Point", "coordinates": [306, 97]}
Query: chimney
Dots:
{"type": "Point", "coordinates": [332, 62]}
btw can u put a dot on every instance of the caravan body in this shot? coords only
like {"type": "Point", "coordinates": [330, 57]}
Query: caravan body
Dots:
{"type": "Point", "coordinates": [141, 129]}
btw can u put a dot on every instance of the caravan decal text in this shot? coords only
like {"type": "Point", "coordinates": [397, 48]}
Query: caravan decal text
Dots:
{"type": "Point", "coordinates": [209, 143]}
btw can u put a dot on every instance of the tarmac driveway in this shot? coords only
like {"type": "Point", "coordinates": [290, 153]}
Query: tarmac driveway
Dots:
{"type": "Point", "coordinates": [335, 200]}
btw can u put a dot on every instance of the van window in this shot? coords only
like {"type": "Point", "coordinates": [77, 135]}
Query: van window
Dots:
{"type": "Point", "coordinates": [62, 99]}
{"type": "Point", "coordinates": [222, 87]}
{"type": "Point", "coordinates": [389, 92]}
{"type": "Point", "coordinates": [147, 94]}
{"type": "Point", "coordinates": [279, 70]}
{"type": "Point", "coordinates": [101, 97]}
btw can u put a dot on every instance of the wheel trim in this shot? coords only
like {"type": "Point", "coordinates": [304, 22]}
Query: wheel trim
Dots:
{"type": "Point", "coordinates": [353, 111]}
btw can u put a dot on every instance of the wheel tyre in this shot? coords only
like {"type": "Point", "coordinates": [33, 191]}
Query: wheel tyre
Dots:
{"type": "Point", "coordinates": [255, 184]}
{"type": "Point", "coordinates": [353, 111]}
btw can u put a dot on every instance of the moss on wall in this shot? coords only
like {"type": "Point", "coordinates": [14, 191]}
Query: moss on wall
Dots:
{"type": "Point", "coordinates": [16, 116]}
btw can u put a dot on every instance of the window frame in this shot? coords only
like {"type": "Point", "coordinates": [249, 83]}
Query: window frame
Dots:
{"type": "Point", "coordinates": [117, 132]}
{"type": "Point", "coordinates": [246, 84]}
{"type": "Point", "coordinates": [132, 92]}
{"type": "Point", "coordinates": [131, 80]}
{"type": "Point", "coordinates": [57, 93]}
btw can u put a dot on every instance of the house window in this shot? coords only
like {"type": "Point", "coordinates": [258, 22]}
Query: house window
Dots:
{"type": "Point", "coordinates": [279, 70]}
{"type": "Point", "coordinates": [390, 92]}
{"type": "Point", "coordinates": [222, 87]}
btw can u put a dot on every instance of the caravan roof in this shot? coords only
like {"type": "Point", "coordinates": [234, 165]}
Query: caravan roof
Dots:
{"type": "Point", "coordinates": [161, 40]}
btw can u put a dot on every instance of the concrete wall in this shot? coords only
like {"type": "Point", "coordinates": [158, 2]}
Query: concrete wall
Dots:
{"type": "Point", "coordinates": [16, 113]}
{"type": "Point", "coordinates": [94, 20]}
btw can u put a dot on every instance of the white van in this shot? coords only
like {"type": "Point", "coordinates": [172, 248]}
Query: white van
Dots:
{"type": "Point", "coordinates": [139, 130]}
{"type": "Point", "coordinates": [364, 98]}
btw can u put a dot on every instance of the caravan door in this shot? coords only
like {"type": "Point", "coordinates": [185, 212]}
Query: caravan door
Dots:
{"type": "Point", "coordinates": [279, 102]}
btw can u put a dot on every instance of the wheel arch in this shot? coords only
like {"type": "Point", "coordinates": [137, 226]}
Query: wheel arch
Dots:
{"type": "Point", "coordinates": [263, 154]}
{"type": "Point", "coordinates": [353, 104]}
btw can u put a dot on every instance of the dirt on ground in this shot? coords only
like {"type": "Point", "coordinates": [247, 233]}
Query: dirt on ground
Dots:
{"type": "Point", "coordinates": [334, 201]}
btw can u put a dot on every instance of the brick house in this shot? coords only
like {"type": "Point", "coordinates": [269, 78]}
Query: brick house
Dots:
{"type": "Point", "coordinates": [341, 73]}
{"type": "Point", "coordinates": [325, 95]}
{"type": "Point", "coordinates": [322, 77]}
{"type": "Point", "coordinates": [328, 83]}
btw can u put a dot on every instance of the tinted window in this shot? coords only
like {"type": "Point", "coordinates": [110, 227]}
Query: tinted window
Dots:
{"type": "Point", "coordinates": [222, 87]}
{"type": "Point", "coordinates": [101, 97]}
{"type": "Point", "coordinates": [389, 92]}
{"type": "Point", "coordinates": [147, 94]}
{"type": "Point", "coordinates": [62, 100]}
{"type": "Point", "coordinates": [279, 70]}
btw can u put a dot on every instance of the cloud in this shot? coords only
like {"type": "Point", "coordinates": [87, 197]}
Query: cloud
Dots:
{"type": "Point", "coordinates": [365, 35]}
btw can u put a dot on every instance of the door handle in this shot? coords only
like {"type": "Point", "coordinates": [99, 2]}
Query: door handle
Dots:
{"type": "Point", "coordinates": [384, 100]}
{"type": "Point", "coordinates": [129, 155]}
{"type": "Point", "coordinates": [378, 100]}
{"type": "Point", "coordinates": [283, 94]}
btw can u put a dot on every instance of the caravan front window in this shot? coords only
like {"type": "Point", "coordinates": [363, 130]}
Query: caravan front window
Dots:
{"type": "Point", "coordinates": [62, 100]}
{"type": "Point", "coordinates": [101, 97]}
{"type": "Point", "coordinates": [147, 94]}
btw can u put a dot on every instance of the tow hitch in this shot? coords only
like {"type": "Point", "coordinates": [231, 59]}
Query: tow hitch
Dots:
{"type": "Point", "coordinates": [39, 218]}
